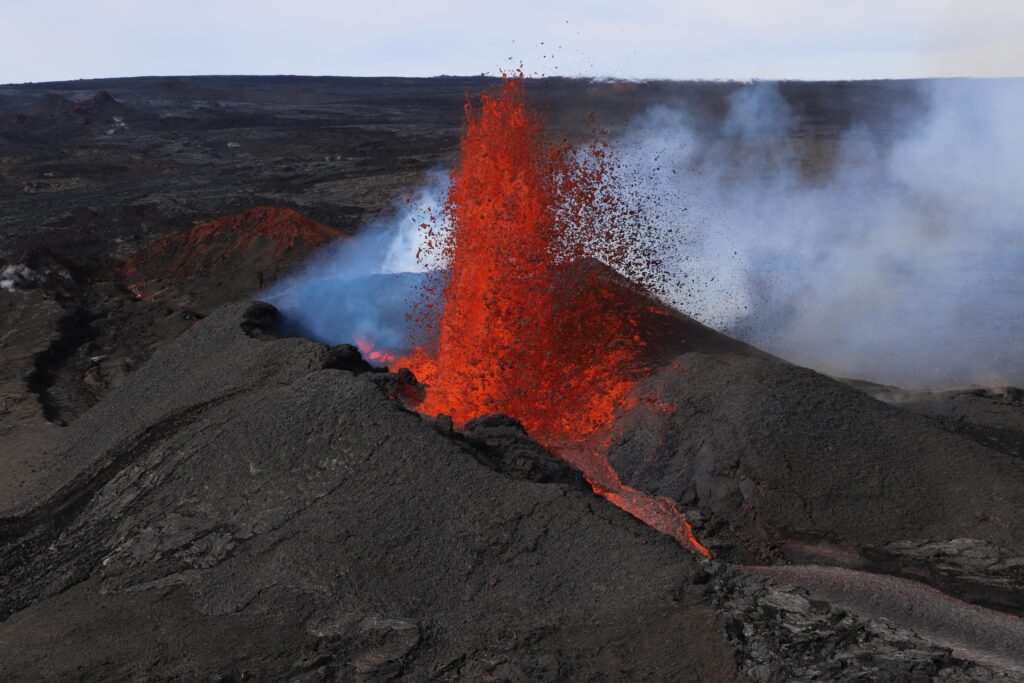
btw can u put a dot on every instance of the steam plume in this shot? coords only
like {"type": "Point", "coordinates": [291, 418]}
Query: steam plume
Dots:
{"type": "Point", "coordinates": [903, 262]}
{"type": "Point", "coordinates": [362, 287]}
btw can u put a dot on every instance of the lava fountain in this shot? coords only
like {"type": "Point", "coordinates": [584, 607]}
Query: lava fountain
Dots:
{"type": "Point", "coordinates": [533, 322]}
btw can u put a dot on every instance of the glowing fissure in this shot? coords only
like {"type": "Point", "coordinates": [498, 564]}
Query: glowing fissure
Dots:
{"type": "Point", "coordinates": [532, 324]}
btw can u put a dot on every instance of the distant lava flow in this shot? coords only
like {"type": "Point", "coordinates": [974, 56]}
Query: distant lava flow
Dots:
{"type": "Point", "coordinates": [263, 239]}
{"type": "Point", "coordinates": [533, 322]}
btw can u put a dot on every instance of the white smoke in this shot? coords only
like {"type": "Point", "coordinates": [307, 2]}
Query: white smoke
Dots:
{"type": "Point", "coordinates": [904, 263]}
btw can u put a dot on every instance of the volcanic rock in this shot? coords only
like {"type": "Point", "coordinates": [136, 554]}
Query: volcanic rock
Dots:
{"type": "Point", "coordinates": [783, 632]}
{"type": "Point", "coordinates": [971, 568]}
{"type": "Point", "coordinates": [33, 330]}
{"type": "Point", "coordinates": [115, 316]}
{"type": "Point", "coordinates": [348, 357]}
{"type": "Point", "coordinates": [992, 416]}
{"type": "Point", "coordinates": [51, 104]}
{"type": "Point", "coordinates": [782, 635]}
{"type": "Point", "coordinates": [257, 318]}
{"type": "Point", "coordinates": [505, 446]}
{"type": "Point", "coordinates": [102, 103]}
{"type": "Point", "coordinates": [666, 332]}
{"type": "Point", "coordinates": [991, 640]}
{"type": "Point", "coordinates": [242, 508]}
{"type": "Point", "coordinates": [54, 113]}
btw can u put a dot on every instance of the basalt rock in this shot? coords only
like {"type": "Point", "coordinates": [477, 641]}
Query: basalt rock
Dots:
{"type": "Point", "coordinates": [781, 633]}
{"type": "Point", "coordinates": [242, 508]}
{"type": "Point", "coordinates": [347, 357]}
{"type": "Point", "coordinates": [971, 568]}
{"type": "Point", "coordinates": [257, 318]}
{"type": "Point", "coordinates": [505, 446]}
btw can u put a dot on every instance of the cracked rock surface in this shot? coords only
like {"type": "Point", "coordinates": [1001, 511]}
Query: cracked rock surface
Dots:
{"type": "Point", "coordinates": [782, 632]}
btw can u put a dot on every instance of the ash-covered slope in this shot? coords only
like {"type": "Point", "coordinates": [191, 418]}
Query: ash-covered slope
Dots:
{"type": "Point", "coordinates": [789, 462]}
{"type": "Point", "coordinates": [666, 331]}
{"type": "Point", "coordinates": [242, 508]}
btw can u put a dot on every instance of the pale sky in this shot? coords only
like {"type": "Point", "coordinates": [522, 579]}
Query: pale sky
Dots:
{"type": "Point", "coordinates": [44, 40]}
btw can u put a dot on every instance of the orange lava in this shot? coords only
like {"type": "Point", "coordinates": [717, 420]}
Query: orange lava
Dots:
{"type": "Point", "coordinates": [532, 324]}
{"type": "Point", "coordinates": [370, 352]}
{"type": "Point", "coordinates": [656, 512]}
{"type": "Point", "coordinates": [526, 327]}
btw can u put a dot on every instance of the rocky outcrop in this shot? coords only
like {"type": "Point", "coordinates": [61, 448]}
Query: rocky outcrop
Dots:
{"type": "Point", "coordinates": [971, 568]}
{"type": "Point", "coordinates": [782, 632]}
{"type": "Point", "coordinates": [503, 444]}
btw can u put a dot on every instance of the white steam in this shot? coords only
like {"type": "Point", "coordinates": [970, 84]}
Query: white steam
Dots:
{"type": "Point", "coordinates": [19, 276]}
{"type": "Point", "coordinates": [363, 287]}
{"type": "Point", "coordinates": [904, 263]}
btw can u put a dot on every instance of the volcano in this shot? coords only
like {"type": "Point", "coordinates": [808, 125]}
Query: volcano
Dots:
{"type": "Point", "coordinates": [532, 322]}
{"type": "Point", "coordinates": [263, 238]}
{"type": "Point", "coordinates": [53, 109]}
{"type": "Point", "coordinates": [570, 480]}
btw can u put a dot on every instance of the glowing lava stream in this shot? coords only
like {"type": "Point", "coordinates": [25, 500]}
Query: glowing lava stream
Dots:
{"type": "Point", "coordinates": [530, 324]}
{"type": "Point", "coordinates": [657, 512]}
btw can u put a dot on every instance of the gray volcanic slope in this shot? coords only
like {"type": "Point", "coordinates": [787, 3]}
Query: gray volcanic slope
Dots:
{"type": "Point", "coordinates": [251, 507]}
{"type": "Point", "coordinates": [242, 508]}
{"type": "Point", "coordinates": [791, 462]}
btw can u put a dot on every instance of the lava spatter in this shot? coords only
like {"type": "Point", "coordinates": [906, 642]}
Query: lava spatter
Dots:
{"type": "Point", "coordinates": [534, 323]}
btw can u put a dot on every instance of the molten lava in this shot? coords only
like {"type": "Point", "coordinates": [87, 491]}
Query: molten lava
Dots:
{"type": "Point", "coordinates": [533, 324]}
{"type": "Point", "coordinates": [527, 327]}
{"type": "Point", "coordinates": [369, 351]}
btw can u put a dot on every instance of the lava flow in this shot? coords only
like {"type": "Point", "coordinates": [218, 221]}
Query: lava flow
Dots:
{"type": "Point", "coordinates": [533, 323]}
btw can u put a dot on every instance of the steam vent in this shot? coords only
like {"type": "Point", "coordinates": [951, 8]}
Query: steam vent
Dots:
{"type": "Point", "coordinates": [332, 379]}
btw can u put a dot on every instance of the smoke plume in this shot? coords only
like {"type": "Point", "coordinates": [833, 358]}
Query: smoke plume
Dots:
{"type": "Point", "coordinates": [900, 259]}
